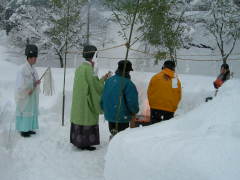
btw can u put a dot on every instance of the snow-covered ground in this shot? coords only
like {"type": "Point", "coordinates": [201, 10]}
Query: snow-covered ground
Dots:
{"type": "Point", "coordinates": [193, 145]}
{"type": "Point", "coordinates": [202, 144]}
{"type": "Point", "coordinates": [48, 155]}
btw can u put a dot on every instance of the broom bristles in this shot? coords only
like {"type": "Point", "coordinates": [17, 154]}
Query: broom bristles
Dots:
{"type": "Point", "coordinates": [48, 84]}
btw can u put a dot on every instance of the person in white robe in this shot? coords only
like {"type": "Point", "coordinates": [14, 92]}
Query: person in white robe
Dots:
{"type": "Point", "coordinates": [27, 94]}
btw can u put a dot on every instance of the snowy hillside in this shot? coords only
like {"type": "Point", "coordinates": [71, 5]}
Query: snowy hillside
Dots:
{"type": "Point", "coordinates": [202, 144]}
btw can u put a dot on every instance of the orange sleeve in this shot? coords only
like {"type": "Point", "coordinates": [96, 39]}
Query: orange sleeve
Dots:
{"type": "Point", "coordinates": [218, 83]}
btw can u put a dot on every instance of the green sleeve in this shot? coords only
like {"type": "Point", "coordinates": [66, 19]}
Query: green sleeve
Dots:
{"type": "Point", "coordinates": [95, 90]}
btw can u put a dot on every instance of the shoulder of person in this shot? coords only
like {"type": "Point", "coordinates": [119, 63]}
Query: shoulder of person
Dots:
{"type": "Point", "coordinates": [157, 76]}
{"type": "Point", "coordinates": [111, 78]}
{"type": "Point", "coordinates": [85, 66]}
{"type": "Point", "coordinates": [130, 83]}
{"type": "Point", "coordinates": [114, 78]}
{"type": "Point", "coordinates": [24, 69]}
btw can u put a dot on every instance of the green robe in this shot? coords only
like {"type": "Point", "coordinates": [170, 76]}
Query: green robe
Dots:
{"type": "Point", "coordinates": [87, 91]}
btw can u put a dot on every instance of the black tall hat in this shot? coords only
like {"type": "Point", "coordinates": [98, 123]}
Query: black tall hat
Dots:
{"type": "Point", "coordinates": [89, 51]}
{"type": "Point", "coordinates": [128, 65]}
{"type": "Point", "coordinates": [31, 50]}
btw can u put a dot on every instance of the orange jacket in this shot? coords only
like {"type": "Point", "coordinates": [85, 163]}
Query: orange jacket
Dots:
{"type": "Point", "coordinates": [164, 91]}
{"type": "Point", "coordinates": [218, 83]}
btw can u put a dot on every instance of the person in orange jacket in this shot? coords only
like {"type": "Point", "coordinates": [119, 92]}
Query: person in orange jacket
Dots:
{"type": "Point", "coordinates": [223, 76]}
{"type": "Point", "coordinates": [164, 93]}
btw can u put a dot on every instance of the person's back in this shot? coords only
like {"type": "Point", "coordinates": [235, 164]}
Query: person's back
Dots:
{"type": "Point", "coordinates": [82, 114]}
{"type": "Point", "coordinates": [116, 110]}
{"type": "Point", "coordinates": [119, 101]}
{"type": "Point", "coordinates": [85, 110]}
{"type": "Point", "coordinates": [223, 76]}
{"type": "Point", "coordinates": [161, 94]}
{"type": "Point", "coordinates": [164, 93]}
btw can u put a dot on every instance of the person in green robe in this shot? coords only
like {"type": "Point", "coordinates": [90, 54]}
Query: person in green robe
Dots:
{"type": "Point", "coordinates": [85, 110]}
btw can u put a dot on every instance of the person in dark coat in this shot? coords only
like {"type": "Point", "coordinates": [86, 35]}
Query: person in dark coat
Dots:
{"type": "Point", "coordinates": [119, 101]}
{"type": "Point", "coordinates": [223, 76]}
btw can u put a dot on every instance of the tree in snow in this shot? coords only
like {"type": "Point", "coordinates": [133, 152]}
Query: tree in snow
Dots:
{"type": "Point", "coordinates": [29, 24]}
{"type": "Point", "coordinates": [237, 2]}
{"type": "Point", "coordinates": [163, 26]}
{"type": "Point", "coordinates": [65, 31]}
{"type": "Point", "coordinates": [96, 28]}
{"type": "Point", "coordinates": [5, 13]}
{"type": "Point", "coordinates": [50, 24]}
{"type": "Point", "coordinates": [126, 14]}
{"type": "Point", "coordinates": [159, 22]}
{"type": "Point", "coordinates": [2, 8]}
{"type": "Point", "coordinates": [223, 23]}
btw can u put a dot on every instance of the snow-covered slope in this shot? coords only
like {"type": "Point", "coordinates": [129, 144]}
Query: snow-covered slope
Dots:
{"type": "Point", "coordinates": [202, 144]}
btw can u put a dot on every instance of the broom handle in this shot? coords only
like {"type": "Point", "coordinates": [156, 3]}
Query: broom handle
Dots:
{"type": "Point", "coordinates": [44, 73]}
{"type": "Point", "coordinates": [41, 77]}
{"type": "Point", "coordinates": [215, 94]}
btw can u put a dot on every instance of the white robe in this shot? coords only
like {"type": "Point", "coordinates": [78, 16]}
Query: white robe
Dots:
{"type": "Point", "coordinates": [26, 105]}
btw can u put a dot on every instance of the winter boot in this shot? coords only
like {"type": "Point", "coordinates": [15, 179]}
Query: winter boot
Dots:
{"type": "Point", "coordinates": [31, 132]}
{"type": "Point", "coordinates": [25, 134]}
{"type": "Point", "coordinates": [89, 148]}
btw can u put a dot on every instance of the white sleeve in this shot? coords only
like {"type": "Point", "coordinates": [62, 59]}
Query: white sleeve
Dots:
{"type": "Point", "coordinates": [20, 81]}
{"type": "Point", "coordinates": [22, 85]}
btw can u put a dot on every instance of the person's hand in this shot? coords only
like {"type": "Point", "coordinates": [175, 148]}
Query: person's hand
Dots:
{"type": "Point", "coordinates": [93, 63]}
{"type": "Point", "coordinates": [37, 83]}
{"type": "Point", "coordinates": [133, 122]}
{"type": "Point", "coordinates": [107, 75]}
{"type": "Point", "coordinates": [29, 92]}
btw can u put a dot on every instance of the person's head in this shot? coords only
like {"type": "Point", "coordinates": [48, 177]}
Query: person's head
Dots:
{"type": "Point", "coordinates": [31, 52]}
{"type": "Point", "coordinates": [224, 68]}
{"type": "Point", "coordinates": [32, 60]}
{"type": "Point", "coordinates": [169, 64]}
{"type": "Point", "coordinates": [88, 52]}
{"type": "Point", "coordinates": [128, 66]}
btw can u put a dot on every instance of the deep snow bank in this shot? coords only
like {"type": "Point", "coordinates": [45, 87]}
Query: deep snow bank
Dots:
{"type": "Point", "coordinates": [204, 144]}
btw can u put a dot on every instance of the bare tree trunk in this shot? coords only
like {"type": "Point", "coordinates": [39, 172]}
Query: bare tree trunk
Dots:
{"type": "Point", "coordinates": [88, 22]}
{"type": "Point", "coordinates": [224, 60]}
{"type": "Point", "coordinates": [230, 52]}
{"type": "Point", "coordinates": [172, 52]}
{"type": "Point", "coordinates": [60, 58]}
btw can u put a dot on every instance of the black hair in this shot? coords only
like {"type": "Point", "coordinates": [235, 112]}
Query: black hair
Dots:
{"type": "Point", "coordinates": [225, 66]}
{"type": "Point", "coordinates": [128, 66]}
{"type": "Point", "coordinates": [169, 64]}
{"type": "Point", "coordinates": [89, 51]}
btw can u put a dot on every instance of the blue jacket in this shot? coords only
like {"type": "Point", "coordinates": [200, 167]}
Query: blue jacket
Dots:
{"type": "Point", "coordinates": [114, 110]}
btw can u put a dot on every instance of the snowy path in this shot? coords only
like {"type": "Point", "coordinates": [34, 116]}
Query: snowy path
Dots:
{"type": "Point", "coordinates": [48, 154]}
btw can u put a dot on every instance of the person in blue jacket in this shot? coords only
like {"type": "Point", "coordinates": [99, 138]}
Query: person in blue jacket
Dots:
{"type": "Point", "coordinates": [119, 101]}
